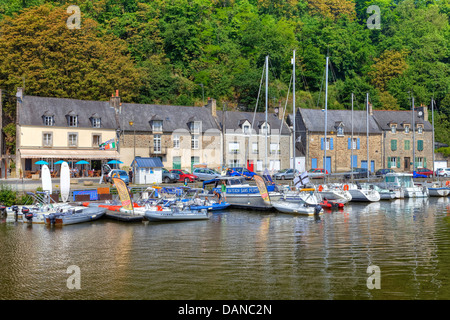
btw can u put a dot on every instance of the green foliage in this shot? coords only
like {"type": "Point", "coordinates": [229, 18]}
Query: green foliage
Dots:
{"type": "Point", "coordinates": [445, 151]}
{"type": "Point", "coordinates": [161, 51]}
{"type": "Point", "coordinates": [8, 197]}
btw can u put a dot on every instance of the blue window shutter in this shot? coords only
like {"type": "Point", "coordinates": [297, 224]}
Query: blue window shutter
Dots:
{"type": "Point", "coordinates": [331, 143]}
{"type": "Point", "coordinates": [389, 161]}
{"type": "Point", "coordinates": [349, 143]}
{"type": "Point", "coordinates": [357, 144]}
{"type": "Point", "coordinates": [321, 143]}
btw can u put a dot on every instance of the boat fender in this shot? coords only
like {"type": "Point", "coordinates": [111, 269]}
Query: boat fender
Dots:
{"type": "Point", "coordinates": [346, 187]}
{"type": "Point", "coordinates": [159, 208]}
{"type": "Point", "coordinates": [320, 188]}
{"type": "Point", "coordinates": [447, 183]}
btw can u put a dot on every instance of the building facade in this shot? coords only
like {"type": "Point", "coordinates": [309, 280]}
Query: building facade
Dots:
{"type": "Point", "coordinates": [384, 139]}
{"type": "Point", "coordinates": [53, 129]}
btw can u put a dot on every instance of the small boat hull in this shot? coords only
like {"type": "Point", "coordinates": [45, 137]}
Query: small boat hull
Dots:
{"type": "Point", "coordinates": [332, 205]}
{"type": "Point", "coordinates": [74, 216]}
{"type": "Point", "coordinates": [439, 192]}
{"type": "Point", "coordinates": [300, 208]}
{"type": "Point", "coordinates": [175, 216]}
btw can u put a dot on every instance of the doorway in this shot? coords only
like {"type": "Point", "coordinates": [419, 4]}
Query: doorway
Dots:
{"type": "Point", "coordinates": [407, 163]}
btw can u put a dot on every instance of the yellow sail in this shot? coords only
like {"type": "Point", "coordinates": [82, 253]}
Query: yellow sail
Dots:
{"type": "Point", "coordinates": [124, 195]}
{"type": "Point", "coordinates": [262, 188]}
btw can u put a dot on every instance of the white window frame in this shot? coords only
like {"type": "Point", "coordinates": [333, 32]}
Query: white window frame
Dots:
{"type": "Point", "coordinates": [340, 131]}
{"type": "Point", "coordinates": [255, 148]}
{"type": "Point", "coordinates": [48, 120]}
{"type": "Point", "coordinates": [419, 129]}
{"type": "Point", "coordinates": [234, 163]}
{"type": "Point", "coordinates": [393, 162]}
{"type": "Point", "coordinates": [195, 127]}
{"type": "Point", "coordinates": [96, 123]}
{"type": "Point", "coordinates": [157, 143]}
{"type": "Point", "coordinates": [96, 143]}
{"type": "Point", "coordinates": [234, 147]}
{"type": "Point", "coordinates": [73, 121]}
{"type": "Point", "coordinates": [157, 125]}
{"type": "Point", "coordinates": [176, 141]}
{"type": "Point", "coordinates": [49, 141]}
{"type": "Point", "coordinates": [393, 128]}
{"type": "Point", "coordinates": [71, 143]}
{"type": "Point", "coordinates": [195, 141]}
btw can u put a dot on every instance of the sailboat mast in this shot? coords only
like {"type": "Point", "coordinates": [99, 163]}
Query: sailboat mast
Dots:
{"type": "Point", "coordinates": [267, 99]}
{"type": "Point", "coordinates": [326, 120]}
{"type": "Point", "coordinates": [367, 133]}
{"type": "Point", "coordinates": [414, 135]}
{"type": "Point", "coordinates": [432, 124]}
{"type": "Point", "coordinates": [293, 111]}
{"type": "Point", "coordinates": [351, 144]}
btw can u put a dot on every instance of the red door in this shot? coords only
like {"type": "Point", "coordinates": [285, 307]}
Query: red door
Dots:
{"type": "Point", "coordinates": [250, 165]}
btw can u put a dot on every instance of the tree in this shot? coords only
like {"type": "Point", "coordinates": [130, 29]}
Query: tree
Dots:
{"type": "Point", "coordinates": [389, 65]}
{"type": "Point", "coordinates": [57, 62]}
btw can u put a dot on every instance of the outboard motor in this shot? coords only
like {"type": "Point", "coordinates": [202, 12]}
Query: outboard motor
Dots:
{"type": "Point", "coordinates": [2, 211]}
{"type": "Point", "coordinates": [317, 210]}
{"type": "Point", "coordinates": [27, 213]}
{"type": "Point", "coordinates": [16, 212]}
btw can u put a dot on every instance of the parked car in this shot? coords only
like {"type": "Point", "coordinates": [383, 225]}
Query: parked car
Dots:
{"type": "Point", "coordinates": [205, 173]}
{"type": "Point", "coordinates": [358, 173]}
{"type": "Point", "coordinates": [117, 173]}
{"type": "Point", "coordinates": [185, 176]}
{"type": "Point", "coordinates": [425, 172]}
{"type": "Point", "coordinates": [443, 172]}
{"type": "Point", "coordinates": [168, 176]}
{"type": "Point", "coordinates": [382, 172]}
{"type": "Point", "coordinates": [240, 171]}
{"type": "Point", "coordinates": [285, 174]}
{"type": "Point", "coordinates": [317, 173]}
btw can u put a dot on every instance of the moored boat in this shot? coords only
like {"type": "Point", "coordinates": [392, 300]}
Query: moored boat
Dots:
{"type": "Point", "coordinates": [406, 182]}
{"type": "Point", "coordinates": [300, 208]}
{"type": "Point", "coordinates": [73, 215]}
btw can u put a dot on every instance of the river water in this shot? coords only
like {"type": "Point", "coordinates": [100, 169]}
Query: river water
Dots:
{"type": "Point", "coordinates": [238, 254]}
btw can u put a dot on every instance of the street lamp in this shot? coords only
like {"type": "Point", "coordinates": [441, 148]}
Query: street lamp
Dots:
{"type": "Point", "coordinates": [131, 122]}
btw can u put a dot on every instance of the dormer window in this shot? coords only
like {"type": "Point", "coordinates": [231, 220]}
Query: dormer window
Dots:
{"type": "Point", "coordinates": [245, 126]}
{"type": "Point", "coordinates": [393, 128]}
{"type": "Point", "coordinates": [406, 128]}
{"type": "Point", "coordinates": [48, 118]}
{"type": "Point", "coordinates": [194, 126]}
{"type": "Point", "coordinates": [265, 128]}
{"type": "Point", "coordinates": [72, 119]}
{"type": "Point", "coordinates": [157, 125]}
{"type": "Point", "coordinates": [95, 121]}
{"type": "Point", "coordinates": [339, 125]}
{"type": "Point", "coordinates": [419, 128]}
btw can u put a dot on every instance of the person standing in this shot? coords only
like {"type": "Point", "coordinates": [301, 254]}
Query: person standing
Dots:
{"type": "Point", "coordinates": [224, 190]}
{"type": "Point", "coordinates": [130, 175]}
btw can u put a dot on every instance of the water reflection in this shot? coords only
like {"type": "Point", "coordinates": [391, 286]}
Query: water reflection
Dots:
{"type": "Point", "coordinates": [238, 255]}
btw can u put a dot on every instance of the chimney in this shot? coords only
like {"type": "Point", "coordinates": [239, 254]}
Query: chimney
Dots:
{"type": "Point", "coordinates": [212, 106]}
{"type": "Point", "coordinates": [280, 114]}
{"type": "Point", "coordinates": [425, 113]}
{"type": "Point", "coordinates": [370, 109]}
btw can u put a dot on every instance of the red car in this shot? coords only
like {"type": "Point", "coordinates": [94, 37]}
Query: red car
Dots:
{"type": "Point", "coordinates": [185, 175]}
{"type": "Point", "coordinates": [424, 171]}
{"type": "Point", "coordinates": [317, 173]}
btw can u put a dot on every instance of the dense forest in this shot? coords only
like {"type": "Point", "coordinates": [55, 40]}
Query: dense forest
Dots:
{"type": "Point", "coordinates": [182, 51]}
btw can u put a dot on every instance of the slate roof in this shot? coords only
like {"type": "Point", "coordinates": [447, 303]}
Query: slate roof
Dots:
{"type": "Point", "coordinates": [173, 117]}
{"type": "Point", "coordinates": [147, 162]}
{"type": "Point", "coordinates": [314, 120]}
{"type": "Point", "coordinates": [33, 108]}
{"type": "Point", "coordinates": [385, 117]}
{"type": "Point", "coordinates": [234, 120]}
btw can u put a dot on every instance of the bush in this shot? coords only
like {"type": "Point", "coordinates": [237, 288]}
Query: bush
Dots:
{"type": "Point", "coordinates": [445, 151]}
{"type": "Point", "coordinates": [7, 196]}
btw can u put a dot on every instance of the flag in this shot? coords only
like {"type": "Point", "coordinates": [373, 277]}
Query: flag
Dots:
{"type": "Point", "coordinates": [262, 188]}
{"type": "Point", "coordinates": [124, 195]}
{"type": "Point", "coordinates": [301, 180]}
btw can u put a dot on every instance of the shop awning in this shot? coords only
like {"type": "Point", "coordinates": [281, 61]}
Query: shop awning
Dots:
{"type": "Point", "coordinates": [69, 154]}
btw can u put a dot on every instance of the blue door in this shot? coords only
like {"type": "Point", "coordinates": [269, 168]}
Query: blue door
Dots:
{"type": "Point", "coordinates": [313, 163]}
{"type": "Point", "coordinates": [372, 166]}
{"type": "Point", "coordinates": [364, 164]}
{"type": "Point", "coordinates": [354, 162]}
{"type": "Point", "coordinates": [328, 164]}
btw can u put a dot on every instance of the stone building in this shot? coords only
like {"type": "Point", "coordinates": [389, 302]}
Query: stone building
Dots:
{"type": "Point", "coordinates": [407, 141]}
{"type": "Point", "coordinates": [389, 141]}
{"type": "Point", "coordinates": [180, 136]}
{"type": "Point", "coordinates": [343, 150]}
{"type": "Point", "coordinates": [246, 144]}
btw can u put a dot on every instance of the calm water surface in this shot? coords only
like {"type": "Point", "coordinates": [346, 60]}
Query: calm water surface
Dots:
{"type": "Point", "coordinates": [238, 255]}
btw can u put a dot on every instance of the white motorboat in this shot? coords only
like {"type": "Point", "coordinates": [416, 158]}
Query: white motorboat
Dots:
{"type": "Point", "coordinates": [436, 190]}
{"type": "Point", "coordinates": [241, 194]}
{"type": "Point", "coordinates": [385, 194]}
{"type": "Point", "coordinates": [299, 207]}
{"type": "Point", "coordinates": [307, 195]}
{"type": "Point", "coordinates": [360, 193]}
{"type": "Point", "coordinates": [406, 182]}
{"type": "Point", "coordinates": [334, 192]}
